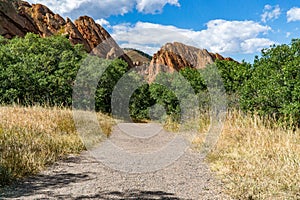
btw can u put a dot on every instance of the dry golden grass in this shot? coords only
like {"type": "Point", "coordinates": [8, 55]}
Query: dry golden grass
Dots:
{"type": "Point", "coordinates": [32, 138]}
{"type": "Point", "coordinates": [257, 159]}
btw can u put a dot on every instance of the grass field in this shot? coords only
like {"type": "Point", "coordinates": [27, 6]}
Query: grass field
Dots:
{"type": "Point", "coordinates": [32, 138]}
{"type": "Point", "coordinates": [257, 159]}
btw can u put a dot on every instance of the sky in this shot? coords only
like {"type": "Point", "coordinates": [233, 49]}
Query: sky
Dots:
{"type": "Point", "coordinates": [234, 28]}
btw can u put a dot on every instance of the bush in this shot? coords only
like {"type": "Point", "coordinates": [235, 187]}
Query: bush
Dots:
{"type": "Point", "coordinates": [36, 70]}
{"type": "Point", "coordinates": [115, 70]}
{"type": "Point", "coordinates": [274, 87]}
{"type": "Point", "coordinates": [42, 71]}
{"type": "Point", "coordinates": [140, 103]}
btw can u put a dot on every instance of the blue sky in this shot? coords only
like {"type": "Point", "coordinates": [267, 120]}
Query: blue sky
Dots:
{"type": "Point", "coordinates": [235, 28]}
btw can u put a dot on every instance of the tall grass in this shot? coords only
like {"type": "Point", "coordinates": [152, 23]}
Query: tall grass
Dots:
{"type": "Point", "coordinates": [32, 138]}
{"type": "Point", "coordinates": [257, 159]}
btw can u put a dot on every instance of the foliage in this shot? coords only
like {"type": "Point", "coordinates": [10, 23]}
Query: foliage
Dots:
{"type": "Point", "coordinates": [140, 103]}
{"type": "Point", "coordinates": [195, 79]}
{"type": "Point", "coordinates": [38, 70]}
{"type": "Point", "coordinates": [177, 92]}
{"type": "Point", "coordinates": [164, 94]}
{"type": "Point", "coordinates": [233, 74]}
{"type": "Point", "coordinates": [274, 87]}
{"type": "Point", "coordinates": [116, 69]}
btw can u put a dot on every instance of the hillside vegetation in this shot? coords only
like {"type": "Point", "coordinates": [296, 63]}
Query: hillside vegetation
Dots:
{"type": "Point", "coordinates": [257, 155]}
{"type": "Point", "coordinates": [137, 55]}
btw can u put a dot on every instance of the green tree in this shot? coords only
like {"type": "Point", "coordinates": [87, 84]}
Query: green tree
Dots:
{"type": "Point", "coordinates": [195, 78]}
{"type": "Point", "coordinates": [274, 87]}
{"type": "Point", "coordinates": [176, 93]}
{"type": "Point", "coordinates": [234, 75]}
{"type": "Point", "coordinates": [36, 70]}
{"type": "Point", "coordinates": [141, 102]}
{"type": "Point", "coordinates": [116, 69]}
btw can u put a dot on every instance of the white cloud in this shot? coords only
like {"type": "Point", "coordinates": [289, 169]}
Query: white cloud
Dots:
{"type": "Point", "coordinates": [104, 8]}
{"type": "Point", "coordinates": [154, 6]}
{"type": "Point", "coordinates": [270, 13]}
{"type": "Point", "coordinates": [61, 6]}
{"type": "Point", "coordinates": [220, 36]}
{"type": "Point", "coordinates": [103, 22]}
{"type": "Point", "coordinates": [293, 14]}
{"type": "Point", "coordinates": [255, 44]}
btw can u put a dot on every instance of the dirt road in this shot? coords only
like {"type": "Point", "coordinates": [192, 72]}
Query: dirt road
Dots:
{"type": "Point", "coordinates": [87, 177]}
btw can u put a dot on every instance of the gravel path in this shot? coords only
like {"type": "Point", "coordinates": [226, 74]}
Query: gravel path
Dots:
{"type": "Point", "coordinates": [85, 177]}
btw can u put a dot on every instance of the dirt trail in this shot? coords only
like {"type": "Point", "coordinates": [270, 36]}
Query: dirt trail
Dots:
{"type": "Point", "coordinates": [84, 177]}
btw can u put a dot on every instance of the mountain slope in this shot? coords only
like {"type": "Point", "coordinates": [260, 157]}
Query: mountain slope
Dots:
{"type": "Point", "coordinates": [138, 57]}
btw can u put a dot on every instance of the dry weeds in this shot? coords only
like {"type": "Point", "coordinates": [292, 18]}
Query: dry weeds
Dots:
{"type": "Point", "coordinates": [257, 159]}
{"type": "Point", "coordinates": [32, 138]}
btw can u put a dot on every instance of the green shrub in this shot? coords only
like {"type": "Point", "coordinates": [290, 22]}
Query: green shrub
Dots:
{"type": "Point", "coordinates": [36, 70]}
{"type": "Point", "coordinates": [274, 87]}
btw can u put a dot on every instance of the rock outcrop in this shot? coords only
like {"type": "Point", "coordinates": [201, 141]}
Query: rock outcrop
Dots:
{"type": "Point", "coordinates": [19, 17]}
{"type": "Point", "coordinates": [14, 21]}
{"type": "Point", "coordinates": [175, 56]}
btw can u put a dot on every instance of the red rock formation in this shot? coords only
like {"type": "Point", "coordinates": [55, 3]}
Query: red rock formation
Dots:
{"type": "Point", "coordinates": [15, 22]}
{"type": "Point", "coordinates": [18, 18]}
{"type": "Point", "coordinates": [75, 36]}
{"type": "Point", "coordinates": [175, 56]}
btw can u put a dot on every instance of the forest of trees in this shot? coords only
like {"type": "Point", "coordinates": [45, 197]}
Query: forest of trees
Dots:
{"type": "Point", "coordinates": [42, 71]}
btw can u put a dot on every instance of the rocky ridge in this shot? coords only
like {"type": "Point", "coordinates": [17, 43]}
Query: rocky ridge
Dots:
{"type": "Point", "coordinates": [175, 56]}
{"type": "Point", "coordinates": [19, 17]}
